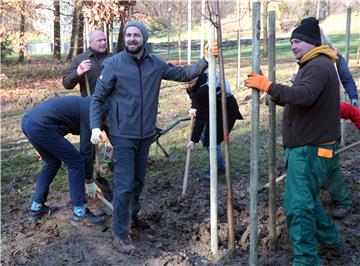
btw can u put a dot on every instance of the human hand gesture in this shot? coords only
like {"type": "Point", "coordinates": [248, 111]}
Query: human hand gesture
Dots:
{"type": "Point", "coordinates": [83, 67]}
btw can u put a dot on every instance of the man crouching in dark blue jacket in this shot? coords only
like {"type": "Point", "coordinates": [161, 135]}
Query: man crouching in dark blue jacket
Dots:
{"type": "Point", "coordinates": [45, 126]}
{"type": "Point", "coordinates": [130, 82]}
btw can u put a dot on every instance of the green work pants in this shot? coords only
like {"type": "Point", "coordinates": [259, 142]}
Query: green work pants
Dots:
{"type": "Point", "coordinates": [305, 215]}
{"type": "Point", "coordinates": [336, 186]}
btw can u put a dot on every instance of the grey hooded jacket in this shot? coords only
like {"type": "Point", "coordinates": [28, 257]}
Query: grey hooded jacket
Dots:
{"type": "Point", "coordinates": [131, 88]}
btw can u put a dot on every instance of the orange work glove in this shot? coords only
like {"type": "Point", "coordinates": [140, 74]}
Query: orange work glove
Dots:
{"type": "Point", "coordinates": [214, 51]}
{"type": "Point", "coordinates": [257, 81]}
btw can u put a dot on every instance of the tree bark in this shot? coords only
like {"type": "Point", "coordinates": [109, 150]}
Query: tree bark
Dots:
{"type": "Point", "coordinates": [57, 37]}
{"type": "Point", "coordinates": [74, 31]}
{"type": "Point", "coordinates": [80, 33]}
{"type": "Point", "coordinates": [265, 31]}
{"type": "Point", "coordinates": [120, 42]}
{"type": "Point", "coordinates": [22, 33]}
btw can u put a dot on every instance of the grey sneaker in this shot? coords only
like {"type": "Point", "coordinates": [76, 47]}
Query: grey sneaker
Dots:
{"type": "Point", "coordinates": [340, 212]}
{"type": "Point", "coordinates": [124, 245]}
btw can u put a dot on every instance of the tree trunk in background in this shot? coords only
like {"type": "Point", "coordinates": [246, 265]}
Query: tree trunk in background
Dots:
{"type": "Point", "coordinates": [73, 34]}
{"type": "Point", "coordinates": [179, 38]}
{"type": "Point", "coordinates": [120, 41]}
{"type": "Point", "coordinates": [265, 31]}
{"type": "Point", "coordinates": [57, 40]}
{"type": "Point", "coordinates": [22, 33]}
{"type": "Point", "coordinates": [107, 28]}
{"type": "Point", "coordinates": [80, 32]}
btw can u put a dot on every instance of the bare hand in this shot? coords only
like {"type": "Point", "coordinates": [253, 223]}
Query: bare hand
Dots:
{"type": "Point", "coordinates": [192, 112]}
{"type": "Point", "coordinates": [83, 67]}
{"type": "Point", "coordinates": [190, 145]}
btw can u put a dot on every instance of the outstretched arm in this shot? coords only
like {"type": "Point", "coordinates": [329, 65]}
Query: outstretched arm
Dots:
{"type": "Point", "coordinates": [350, 112]}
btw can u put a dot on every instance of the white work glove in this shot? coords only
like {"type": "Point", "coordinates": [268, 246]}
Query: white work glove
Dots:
{"type": "Point", "coordinates": [355, 103]}
{"type": "Point", "coordinates": [98, 136]}
{"type": "Point", "coordinates": [192, 112]}
{"type": "Point", "coordinates": [190, 145]}
{"type": "Point", "coordinates": [83, 67]}
{"type": "Point", "coordinates": [90, 189]}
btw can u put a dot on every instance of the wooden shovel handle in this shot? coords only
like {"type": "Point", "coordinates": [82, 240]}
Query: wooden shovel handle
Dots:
{"type": "Point", "coordinates": [187, 164]}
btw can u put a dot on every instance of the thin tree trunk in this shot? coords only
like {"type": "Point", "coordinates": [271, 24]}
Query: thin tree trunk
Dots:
{"type": "Point", "coordinates": [73, 34]}
{"type": "Point", "coordinates": [22, 33]}
{"type": "Point", "coordinates": [80, 33]}
{"type": "Point", "coordinates": [107, 29]}
{"type": "Point", "coordinates": [229, 205]}
{"type": "Point", "coordinates": [120, 42]}
{"type": "Point", "coordinates": [57, 37]}
{"type": "Point", "coordinates": [265, 31]}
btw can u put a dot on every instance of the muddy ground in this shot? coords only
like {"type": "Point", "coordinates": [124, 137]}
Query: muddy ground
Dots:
{"type": "Point", "coordinates": [174, 230]}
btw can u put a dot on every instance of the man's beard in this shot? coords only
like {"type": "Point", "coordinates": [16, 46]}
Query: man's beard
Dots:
{"type": "Point", "coordinates": [136, 51]}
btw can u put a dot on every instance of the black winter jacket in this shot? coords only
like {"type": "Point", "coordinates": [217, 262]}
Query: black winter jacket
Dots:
{"type": "Point", "coordinates": [200, 101]}
{"type": "Point", "coordinates": [71, 78]}
{"type": "Point", "coordinates": [312, 105]}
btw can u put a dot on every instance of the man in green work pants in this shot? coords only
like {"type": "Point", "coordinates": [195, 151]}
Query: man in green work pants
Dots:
{"type": "Point", "coordinates": [311, 132]}
{"type": "Point", "coordinates": [305, 215]}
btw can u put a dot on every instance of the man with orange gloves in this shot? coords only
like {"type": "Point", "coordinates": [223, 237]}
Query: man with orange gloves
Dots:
{"type": "Point", "coordinates": [311, 131]}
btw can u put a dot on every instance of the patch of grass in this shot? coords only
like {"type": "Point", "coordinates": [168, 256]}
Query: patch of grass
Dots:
{"type": "Point", "coordinates": [24, 163]}
{"type": "Point", "coordinates": [283, 48]}
{"type": "Point", "coordinates": [19, 164]}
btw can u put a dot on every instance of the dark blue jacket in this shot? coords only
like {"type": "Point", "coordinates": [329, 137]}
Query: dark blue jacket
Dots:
{"type": "Point", "coordinates": [68, 114]}
{"type": "Point", "coordinates": [346, 78]}
{"type": "Point", "coordinates": [132, 88]}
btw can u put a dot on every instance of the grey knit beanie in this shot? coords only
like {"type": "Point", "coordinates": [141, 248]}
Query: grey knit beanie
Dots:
{"type": "Point", "coordinates": [141, 27]}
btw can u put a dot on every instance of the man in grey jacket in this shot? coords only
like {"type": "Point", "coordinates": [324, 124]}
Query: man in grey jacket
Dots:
{"type": "Point", "coordinates": [130, 82]}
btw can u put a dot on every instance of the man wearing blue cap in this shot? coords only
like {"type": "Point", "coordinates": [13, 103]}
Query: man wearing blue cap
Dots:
{"type": "Point", "coordinates": [130, 81]}
{"type": "Point", "coordinates": [311, 132]}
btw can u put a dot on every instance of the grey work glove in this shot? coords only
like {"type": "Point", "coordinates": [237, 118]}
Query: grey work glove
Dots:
{"type": "Point", "coordinates": [91, 189]}
{"type": "Point", "coordinates": [355, 103]}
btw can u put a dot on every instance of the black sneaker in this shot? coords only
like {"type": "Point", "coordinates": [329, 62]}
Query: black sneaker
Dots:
{"type": "Point", "coordinates": [88, 219]}
{"type": "Point", "coordinates": [35, 216]}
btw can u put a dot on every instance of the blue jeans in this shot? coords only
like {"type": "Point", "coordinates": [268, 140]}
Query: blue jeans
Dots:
{"type": "Point", "coordinates": [219, 158]}
{"type": "Point", "coordinates": [54, 148]}
{"type": "Point", "coordinates": [130, 160]}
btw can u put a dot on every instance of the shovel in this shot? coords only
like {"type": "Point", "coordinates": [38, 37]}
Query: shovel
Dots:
{"type": "Point", "coordinates": [101, 182]}
{"type": "Point", "coordinates": [187, 164]}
